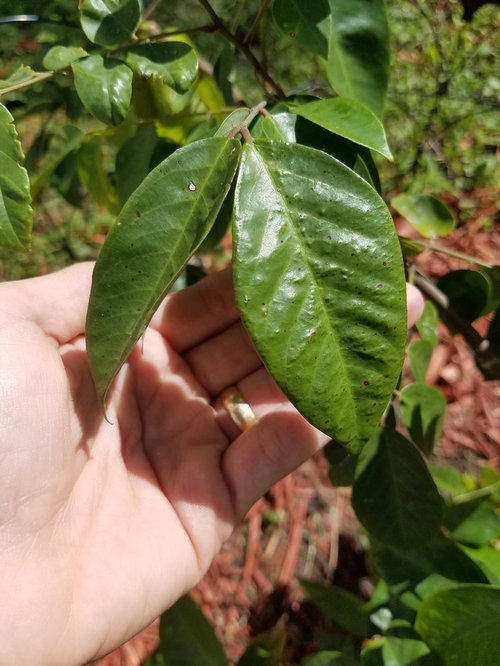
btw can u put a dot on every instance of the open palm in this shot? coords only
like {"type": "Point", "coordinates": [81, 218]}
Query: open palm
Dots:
{"type": "Point", "coordinates": [104, 524]}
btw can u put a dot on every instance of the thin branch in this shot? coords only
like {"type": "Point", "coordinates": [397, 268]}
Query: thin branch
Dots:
{"type": "Point", "coordinates": [39, 76]}
{"type": "Point", "coordinates": [429, 245]}
{"type": "Point", "coordinates": [243, 49]}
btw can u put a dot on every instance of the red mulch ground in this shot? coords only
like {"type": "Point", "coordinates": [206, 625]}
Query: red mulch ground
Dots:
{"type": "Point", "coordinates": [304, 527]}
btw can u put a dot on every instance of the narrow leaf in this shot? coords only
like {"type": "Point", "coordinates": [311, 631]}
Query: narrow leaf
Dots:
{"type": "Point", "coordinates": [105, 87]}
{"type": "Point", "coordinates": [427, 324]}
{"type": "Point", "coordinates": [461, 624]}
{"type": "Point", "coordinates": [110, 22]}
{"type": "Point", "coordinates": [59, 57]}
{"type": "Point", "coordinates": [305, 24]}
{"type": "Point", "coordinates": [160, 227]}
{"type": "Point", "coordinates": [187, 637]}
{"type": "Point", "coordinates": [394, 495]}
{"type": "Point", "coordinates": [358, 51]}
{"type": "Point", "coordinates": [16, 215]}
{"type": "Point", "coordinates": [173, 63]}
{"type": "Point", "coordinates": [319, 281]}
{"type": "Point", "coordinates": [430, 216]}
{"type": "Point", "coordinates": [347, 118]}
{"type": "Point", "coordinates": [423, 408]}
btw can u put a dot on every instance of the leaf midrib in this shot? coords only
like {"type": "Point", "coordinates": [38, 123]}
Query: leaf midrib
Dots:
{"type": "Point", "coordinates": [317, 289]}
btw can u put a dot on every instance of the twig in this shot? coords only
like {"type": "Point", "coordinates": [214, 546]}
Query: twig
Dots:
{"type": "Point", "coordinates": [429, 245]}
{"type": "Point", "coordinates": [39, 76]}
{"type": "Point", "coordinates": [485, 355]}
{"type": "Point", "coordinates": [243, 48]}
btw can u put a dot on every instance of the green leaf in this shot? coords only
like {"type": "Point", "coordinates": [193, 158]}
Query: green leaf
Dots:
{"type": "Point", "coordinates": [319, 282]}
{"type": "Point", "coordinates": [59, 57]}
{"type": "Point", "coordinates": [21, 75]}
{"type": "Point", "coordinates": [468, 292]}
{"type": "Point", "coordinates": [173, 63]}
{"type": "Point", "coordinates": [105, 87]}
{"type": "Point", "coordinates": [160, 227]}
{"type": "Point", "coordinates": [401, 646]}
{"type": "Point", "coordinates": [133, 161]}
{"type": "Point", "coordinates": [347, 118]}
{"type": "Point", "coordinates": [187, 638]}
{"type": "Point", "coordinates": [474, 522]}
{"type": "Point", "coordinates": [329, 658]}
{"type": "Point", "coordinates": [492, 274]}
{"type": "Point", "coordinates": [304, 24]}
{"type": "Point", "coordinates": [419, 356]}
{"type": "Point", "coordinates": [342, 464]}
{"type": "Point", "coordinates": [461, 624]}
{"type": "Point", "coordinates": [413, 564]}
{"type": "Point", "coordinates": [90, 166]}
{"type": "Point", "coordinates": [284, 126]}
{"type": "Point", "coordinates": [448, 479]}
{"type": "Point", "coordinates": [16, 215]}
{"type": "Point", "coordinates": [61, 145]}
{"type": "Point", "coordinates": [340, 606]}
{"type": "Point", "coordinates": [427, 324]}
{"type": "Point", "coordinates": [358, 51]}
{"type": "Point", "coordinates": [423, 409]}
{"type": "Point", "coordinates": [430, 216]}
{"type": "Point", "coordinates": [235, 119]}
{"type": "Point", "coordinates": [267, 649]}
{"type": "Point", "coordinates": [110, 22]}
{"type": "Point", "coordinates": [394, 495]}
{"type": "Point", "coordinates": [488, 559]}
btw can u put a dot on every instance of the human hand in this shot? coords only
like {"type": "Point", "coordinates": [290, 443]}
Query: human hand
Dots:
{"type": "Point", "coordinates": [104, 525]}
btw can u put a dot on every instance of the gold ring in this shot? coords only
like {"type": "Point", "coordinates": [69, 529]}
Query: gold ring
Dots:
{"type": "Point", "coordinates": [238, 409]}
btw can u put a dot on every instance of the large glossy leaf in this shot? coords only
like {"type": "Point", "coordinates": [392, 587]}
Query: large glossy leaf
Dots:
{"type": "Point", "coordinates": [172, 63]}
{"type": "Point", "coordinates": [430, 216]}
{"type": "Point", "coordinates": [187, 638]}
{"type": "Point", "coordinates": [110, 22]}
{"type": "Point", "coordinates": [319, 281]}
{"type": "Point", "coordinates": [394, 495]}
{"type": "Point", "coordinates": [304, 23]}
{"type": "Point", "coordinates": [349, 119]}
{"type": "Point", "coordinates": [461, 624]}
{"type": "Point", "coordinates": [105, 87]}
{"type": "Point", "coordinates": [15, 211]}
{"type": "Point", "coordinates": [159, 228]}
{"type": "Point", "coordinates": [423, 408]}
{"type": "Point", "coordinates": [358, 51]}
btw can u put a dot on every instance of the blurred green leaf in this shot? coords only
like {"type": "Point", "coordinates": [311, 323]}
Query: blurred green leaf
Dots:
{"type": "Point", "coordinates": [474, 522]}
{"type": "Point", "coordinates": [307, 25]}
{"type": "Point", "coordinates": [232, 121]}
{"type": "Point", "coordinates": [358, 51]}
{"type": "Point", "coordinates": [21, 75]}
{"type": "Point", "coordinates": [347, 118]}
{"type": "Point", "coordinates": [90, 166]}
{"type": "Point", "coordinates": [461, 624]}
{"type": "Point", "coordinates": [110, 22]}
{"type": "Point", "coordinates": [61, 145]}
{"type": "Point", "coordinates": [340, 606]}
{"type": "Point", "coordinates": [133, 161]}
{"type": "Point", "coordinates": [329, 658]}
{"type": "Point", "coordinates": [488, 560]}
{"type": "Point", "coordinates": [105, 87]}
{"type": "Point", "coordinates": [409, 247]}
{"type": "Point", "coordinates": [267, 649]}
{"type": "Point", "coordinates": [16, 215]}
{"type": "Point", "coordinates": [448, 479]}
{"type": "Point", "coordinates": [401, 646]}
{"type": "Point", "coordinates": [342, 464]}
{"type": "Point", "coordinates": [158, 230]}
{"type": "Point", "coordinates": [187, 638]}
{"type": "Point", "coordinates": [306, 283]}
{"type": "Point", "coordinates": [468, 292]}
{"type": "Point", "coordinates": [173, 63]}
{"type": "Point", "coordinates": [430, 216]}
{"type": "Point", "coordinates": [427, 324]}
{"type": "Point", "coordinates": [411, 565]}
{"type": "Point", "coordinates": [423, 409]}
{"type": "Point", "coordinates": [393, 494]}
{"type": "Point", "coordinates": [419, 356]}
{"type": "Point", "coordinates": [492, 274]}
{"type": "Point", "coordinates": [59, 57]}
